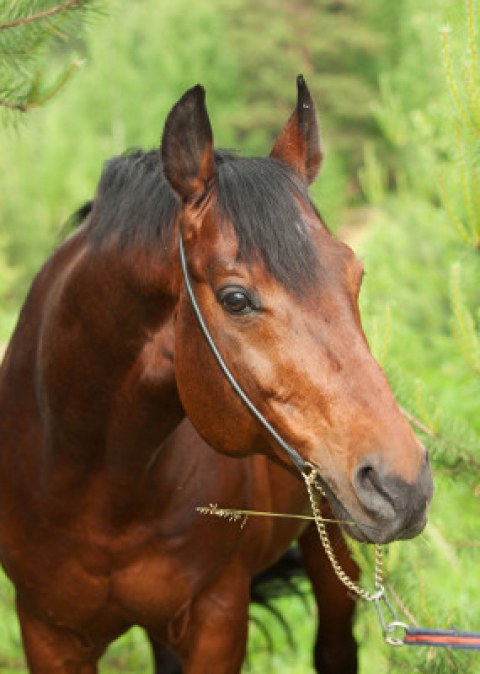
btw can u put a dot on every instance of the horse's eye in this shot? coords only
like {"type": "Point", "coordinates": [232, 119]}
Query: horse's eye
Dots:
{"type": "Point", "coordinates": [236, 301]}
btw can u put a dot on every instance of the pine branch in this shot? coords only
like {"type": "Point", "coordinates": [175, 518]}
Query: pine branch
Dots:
{"type": "Point", "coordinates": [418, 424]}
{"type": "Point", "coordinates": [21, 107]}
{"type": "Point", "coordinates": [27, 34]}
{"type": "Point", "coordinates": [35, 100]}
{"type": "Point", "coordinates": [40, 16]}
{"type": "Point", "coordinates": [463, 324]}
{"type": "Point", "coordinates": [464, 114]}
{"type": "Point", "coordinates": [459, 453]}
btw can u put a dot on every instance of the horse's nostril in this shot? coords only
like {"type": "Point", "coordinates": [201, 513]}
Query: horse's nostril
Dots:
{"type": "Point", "coordinates": [364, 476]}
{"type": "Point", "coordinates": [369, 479]}
{"type": "Point", "coordinates": [371, 490]}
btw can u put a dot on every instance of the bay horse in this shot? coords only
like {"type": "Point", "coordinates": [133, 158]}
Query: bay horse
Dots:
{"type": "Point", "coordinates": [109, 365]}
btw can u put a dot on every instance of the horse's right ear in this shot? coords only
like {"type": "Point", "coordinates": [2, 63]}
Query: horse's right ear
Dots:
{"type": "Point", "coordinates": [299, 143]}
{"type": "Point", "coordinates": [187, 146]}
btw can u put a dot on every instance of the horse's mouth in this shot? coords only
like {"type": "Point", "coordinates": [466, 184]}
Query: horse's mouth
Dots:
{"type": "Point", "coordinates": [359, 531]}
{"type": "Point", "coordinates": [346, 522]}
{"type": "Point", "coordinates": [368, 533]}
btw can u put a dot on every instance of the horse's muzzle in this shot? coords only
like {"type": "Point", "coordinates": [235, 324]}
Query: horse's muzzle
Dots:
{"type": "Point", "coordinates": [397, 508]}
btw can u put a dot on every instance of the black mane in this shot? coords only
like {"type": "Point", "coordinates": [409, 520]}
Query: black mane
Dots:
{"type": "Point", "coordinates": [260, 196]}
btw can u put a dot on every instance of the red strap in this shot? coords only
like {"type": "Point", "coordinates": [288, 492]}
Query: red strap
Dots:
{"type": "Point", "coordinates": [419, 636]}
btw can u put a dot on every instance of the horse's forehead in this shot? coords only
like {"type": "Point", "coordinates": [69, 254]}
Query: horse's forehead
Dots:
{"type": "Point", "coordinates": [338, 280]}
{"type": "Point", "coordinates": [218, 252]}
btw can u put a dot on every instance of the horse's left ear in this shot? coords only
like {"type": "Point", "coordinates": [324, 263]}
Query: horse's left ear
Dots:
{"type": "Point", "coordinates": [299, 143]}
{"type": "Point", "coordinates": [187, 146]}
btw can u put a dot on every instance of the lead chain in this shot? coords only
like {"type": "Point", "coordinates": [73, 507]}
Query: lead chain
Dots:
{"type": "Point", "coordinates": [310, 478]}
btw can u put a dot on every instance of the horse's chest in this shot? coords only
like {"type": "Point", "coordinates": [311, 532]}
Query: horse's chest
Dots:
{"type": "Point", "coordinates": [169, 572]}
{"type": "Point", "coordinates": [145, 580]}
{"type": "Point", "coordinates": [153, 587]}
{"type": "Point", "coordinates": [94, 586]}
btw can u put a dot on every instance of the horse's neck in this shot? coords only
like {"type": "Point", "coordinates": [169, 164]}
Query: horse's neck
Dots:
{"type": "Point", "coordinates": [104, 373]}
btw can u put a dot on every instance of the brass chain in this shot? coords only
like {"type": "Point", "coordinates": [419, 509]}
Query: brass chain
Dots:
{"type": "Point", "coordinates": [310, 478]}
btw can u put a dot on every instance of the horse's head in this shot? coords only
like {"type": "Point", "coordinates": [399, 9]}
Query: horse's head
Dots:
{"type": "Point", "coordinates": [280, 298]}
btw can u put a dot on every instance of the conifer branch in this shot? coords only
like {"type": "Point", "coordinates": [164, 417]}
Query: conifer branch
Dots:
{"type": "Point", "coordinates": [40, 16]}
{"type": "Point", "coordinates": [21, 107]}
{"type": "Point", "coordinates": [459, 451]}
{"type": "Point", "coordinates": [464, 329]}
{"type": "Point", "coordinates": [406, 612]}
{"type": "Point", "coordinates": [472, 43]}
{"type": "Point", "coordinates": [456, 222]}
{"type": "Point", "coordinates": [417, 423]}
{"type": "Point", "coordinates": [464, 115]}
{"type": "Point", "coordinates": [467, 195]}
{"type": "Point", "coordinates": [36, 101]}
{"type": "Point", "coordinates": [26, 37]}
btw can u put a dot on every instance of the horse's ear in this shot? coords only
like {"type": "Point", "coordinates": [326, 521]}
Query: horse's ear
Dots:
{"type": "Point", "coordinates": [299, 143]}
{"type": "Point", "coordinates": [187, 146]}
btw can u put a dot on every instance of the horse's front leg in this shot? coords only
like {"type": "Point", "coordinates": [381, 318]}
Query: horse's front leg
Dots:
{"type": "Point", "coordinates": [51, 650]}
{"type": "Point", "coordinates": [214, 636]}
{"type": "Point", "coordinates": [335, 647]}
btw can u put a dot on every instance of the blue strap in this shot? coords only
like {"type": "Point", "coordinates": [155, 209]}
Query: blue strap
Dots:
{"type": "Point", "coordinates": [421, 636]}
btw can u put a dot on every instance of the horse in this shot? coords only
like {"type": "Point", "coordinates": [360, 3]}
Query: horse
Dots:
{"type": "Point", "coordinates": [202, 288]}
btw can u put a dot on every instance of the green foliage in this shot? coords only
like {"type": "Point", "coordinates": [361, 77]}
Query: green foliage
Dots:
{"type": "Point", "coordinates": [408, 254]}
{"type": "Point", "coordinates": [372, 176]}
{"type": "Point", "coordinates": [466, 333]}
{"type": "Point", "coordinates": [423, 260]}
{"type": "Point", "coordinates": [270, 651]}
{"type": "Point", "coordinates": [467, 102]}
{"type": "Point", "coordinates": [29, 32]}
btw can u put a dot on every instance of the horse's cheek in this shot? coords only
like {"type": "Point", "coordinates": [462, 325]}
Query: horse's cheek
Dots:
{"type": "Point", "coordinates": [214, 409]}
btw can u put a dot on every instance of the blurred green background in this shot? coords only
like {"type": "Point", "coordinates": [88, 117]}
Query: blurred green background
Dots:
{"type": "Point", "coordinates": [398, 95]}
